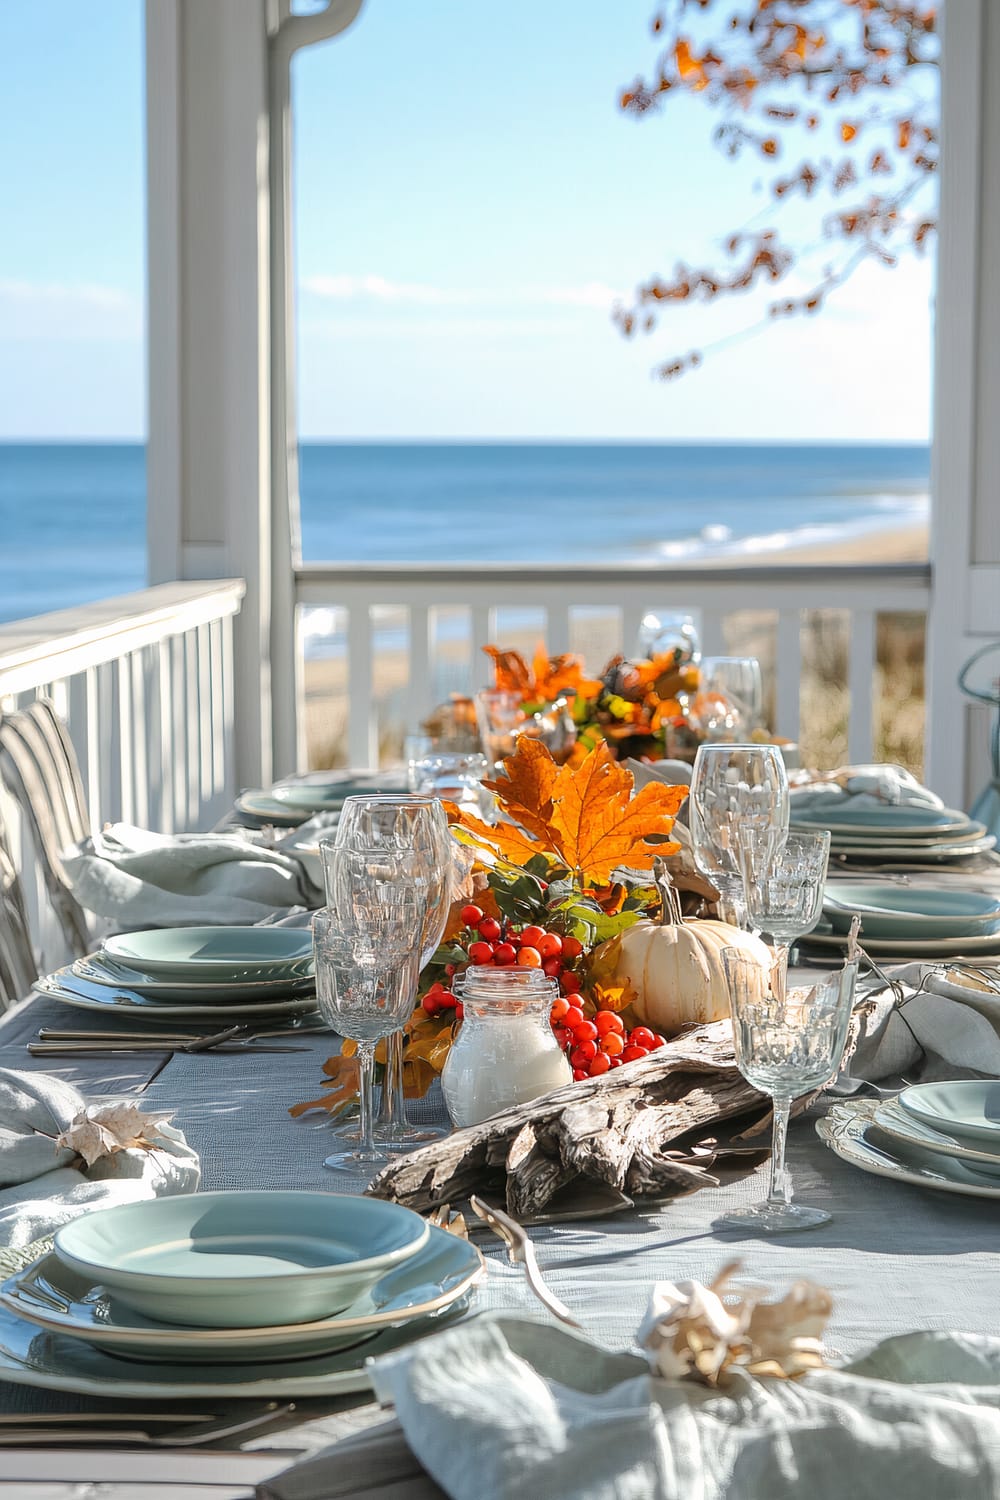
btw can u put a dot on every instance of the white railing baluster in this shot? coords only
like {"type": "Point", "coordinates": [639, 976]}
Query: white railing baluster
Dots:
{"type": "Point", "coordinates": [631, 617]}
{"type": "Point", "coordinates": [123, 740]}
{"type": "Point", "coordinates": [204, 714]}
{"type": "Point", "coordinates": [362, 731]}
{"type": "Point", "coordinates": [713, 632]}
{"type": "Point", "coordinates": [419, 691]}
{"type": "Point", "coordinates": [192, 782]}
{"type": "Point", "coordinates": [215, 709]}
{"type": "Point", "coordinates": [483, 626]}
{"type": "Point", "coordinates": [133, 664]}
{"type": "Point", "coordinates": [228, 704]}
{"type": "Point", "coordinates": [861, 687]}
{"type": "Point", "coordinates": [557, 630]}
{"type": "Point", "coordinates": [788, 670]}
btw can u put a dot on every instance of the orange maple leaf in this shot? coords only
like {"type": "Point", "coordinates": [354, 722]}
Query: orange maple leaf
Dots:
{"type": "Point", "coordinates": [548, 677]}
{"type": "Point", "coordinates": [340, 1085]}
{"type": "Point", "coordinates": [526, 790]}
{"type": "Point", "coordinates": [600, 825]}
{"type": "Point", "coordinates": [583, 817]}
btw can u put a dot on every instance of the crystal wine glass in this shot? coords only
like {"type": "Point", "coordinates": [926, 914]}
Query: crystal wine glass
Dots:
{"type": "Point", "coordinates": [784, 895]}
{"type": "Point", "coordinates": [737, 788]}
{"type": "Point", "coordinates": [366, 968]}
{"type": "Point", "coordinates": [788, 1043]}
{"type": "Point", "coordinates": [738, 680]}
{"type": "Point", "coordinates": [414, 823]}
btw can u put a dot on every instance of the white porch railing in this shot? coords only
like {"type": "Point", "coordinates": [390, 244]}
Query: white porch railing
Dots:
{"type": "Point", "coordinates": [561, 594]}
{"type": "Point", "coordinates": [145, 684]}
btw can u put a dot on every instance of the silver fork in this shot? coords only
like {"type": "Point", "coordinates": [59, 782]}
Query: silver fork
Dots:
{"type": "Point", "coordinates": [209, 1431]}
{"type": "Point", "coordinates": [520, 1251]}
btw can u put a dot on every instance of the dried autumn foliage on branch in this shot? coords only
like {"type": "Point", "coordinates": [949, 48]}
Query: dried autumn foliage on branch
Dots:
{"type": "Point", "coordinates": [545, 679]}
{"type": "Point", "coordinates": [851, 84]}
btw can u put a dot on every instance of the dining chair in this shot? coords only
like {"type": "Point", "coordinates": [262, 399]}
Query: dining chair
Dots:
{"type": "Point", "coordinates": [40, 769]}
{"type": "Point", "coordinates": [18, 969]}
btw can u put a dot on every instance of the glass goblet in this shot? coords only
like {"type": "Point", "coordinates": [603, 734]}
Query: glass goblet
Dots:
{"type": "Point", "coordinates": [784, 896]}
{"type": "Point", "coordinates": [736, 789]}
{"type": "Point", "coordinates": [738, 680]}
{"type": "Point", "coordinates": [364, 984]}
{"type": "Point", "coordinates": [416, 824]}
{"type": "Point", "coordinates": [787, 1044]}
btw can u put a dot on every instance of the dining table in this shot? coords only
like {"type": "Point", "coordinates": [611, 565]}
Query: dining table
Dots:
{"type": "Point", "coordinates": [894, 1257]}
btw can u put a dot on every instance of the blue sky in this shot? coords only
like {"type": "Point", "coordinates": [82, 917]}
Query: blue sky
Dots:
{"type": "Point", "coordinates": [468, 203]}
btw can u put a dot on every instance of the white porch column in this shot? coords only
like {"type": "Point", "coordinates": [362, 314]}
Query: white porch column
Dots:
{"type": "Point", "coordinates": [209, 479]}
{"type": "Point", "coordinates": [965, 538]}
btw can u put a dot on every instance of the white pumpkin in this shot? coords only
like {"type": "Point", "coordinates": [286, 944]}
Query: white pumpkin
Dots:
{"type": "Point", "coordinates": [675, 966]}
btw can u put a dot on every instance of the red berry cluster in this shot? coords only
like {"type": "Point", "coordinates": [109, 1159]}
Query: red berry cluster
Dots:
{"type": "Point", "coordinates": [504, 947]}
{"type": "Point", "coordinates": [597, 1046]}
{"type": "Point", "coordinates": [439, 999]}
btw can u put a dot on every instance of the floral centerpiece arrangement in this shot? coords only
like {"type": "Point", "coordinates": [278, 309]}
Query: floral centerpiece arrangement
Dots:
{"type": "Point", "coordinates": [639, 708]}
{"type": "Point", "coordinates": [563, 882]}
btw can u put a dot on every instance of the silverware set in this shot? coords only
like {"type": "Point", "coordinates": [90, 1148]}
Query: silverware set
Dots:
{"type": "Point", "coordinates": [129, 1428]}
{"type": "Point", "coordinates": [55, 1042]}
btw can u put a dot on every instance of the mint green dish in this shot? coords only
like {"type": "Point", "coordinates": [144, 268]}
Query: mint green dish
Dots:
{"type": "Point", "coordinates": [50, 1295]}
{"type": "Point", "coordinates": [325, 796]}
{"type": "Point", "coordinates": [213, 953]}
{"type": "Point", "coordinates": [891, 819]}
{"type": "Point", "coordinates": [893, 911]}
{"type": "Point", "coordinates": [966, 1107]}
{"type": "Point", "coordinates": [241, 1260]}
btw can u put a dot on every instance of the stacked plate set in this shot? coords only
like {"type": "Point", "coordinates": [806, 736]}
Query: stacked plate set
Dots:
{"type": "Point", "coordinates": [230, 974]}
{"type": "Point", "coordinates": [897, 835]}
{"type": "Point", "coordinates": [290, 803]}
{"type": "Point", "coordinates": [900, 921]}
{"type": "Point", "coordinates": [939, 1135]}
{"type": "Point", "coordinates": [240, 1293]}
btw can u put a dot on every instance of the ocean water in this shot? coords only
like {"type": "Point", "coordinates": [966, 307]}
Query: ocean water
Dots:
{"type": "Point", "coordinates": [72, 516]}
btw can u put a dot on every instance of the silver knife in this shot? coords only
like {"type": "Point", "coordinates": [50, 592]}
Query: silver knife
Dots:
{"type": "Point", "coordinates": [86, 1049]}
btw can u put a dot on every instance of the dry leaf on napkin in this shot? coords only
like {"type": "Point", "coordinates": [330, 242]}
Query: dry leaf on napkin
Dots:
{"type": "Point", "coordinates": [104, 1129]}
{"type": "Point", "coordinates": [689, 1331]}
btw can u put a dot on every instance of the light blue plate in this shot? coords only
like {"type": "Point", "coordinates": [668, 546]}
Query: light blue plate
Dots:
{"type": "Point", "coordinates": [54, 1297]}
{"type": "Point", "coordinates": [212, 953]}
{"type": "Point", "coordinates": [290, 982]}
{"type": "Point", "coordinates": [257, 809]}
{"type": "Point", "coordinates": [966, 1107]}
{"type": "Point", "coordinates": [241, 1260]}
{"type": "Point", "coordinates": [919, 822]}
{"type": "Point", "coordinates": [923, 913]}
{"type": "Point", "coordinates": [36, 1357]}
{"type": "Point", "coordinates": [324, 796]}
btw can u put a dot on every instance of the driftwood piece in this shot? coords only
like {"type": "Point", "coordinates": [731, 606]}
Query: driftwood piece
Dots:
{"type": "Point", "coordinates": [647, 1129]}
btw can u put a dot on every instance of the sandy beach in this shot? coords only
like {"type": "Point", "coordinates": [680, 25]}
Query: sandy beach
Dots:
{"type": "Point", "coordinates": [596, 637]}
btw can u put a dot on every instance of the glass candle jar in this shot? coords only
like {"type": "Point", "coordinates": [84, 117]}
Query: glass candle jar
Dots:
{"type": "Point", "coordinates": [505, 1052]}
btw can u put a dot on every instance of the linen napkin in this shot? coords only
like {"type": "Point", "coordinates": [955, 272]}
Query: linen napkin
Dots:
{"type": "Point", "coordinates": [40, 1189]}
{"type": "Point", "coordinates": [142, 879]}
{"type": "Point", "coordinates": [862, 786]}
{"type": "Point", "coordinates": [503, 1408]}
{"type": "Point", "coordinates": [936, 1029]}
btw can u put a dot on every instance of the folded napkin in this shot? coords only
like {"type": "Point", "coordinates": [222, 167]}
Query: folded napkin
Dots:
{"type": "Point", "coordinates": [670, 772]}
{"type": "Point", "coordinates": [501, 1408]}
{"type": "Point", "coordinates": [143, 879]}
{"type": "Point", "coordinates": [935, 1029]}
{"type": "Point", "coordinates": [40, 1189]}
{"type": "Point", "coordinates": [862, 786]}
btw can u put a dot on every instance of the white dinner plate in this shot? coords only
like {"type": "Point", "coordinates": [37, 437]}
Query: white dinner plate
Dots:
{"type": "Point", "coordinates": [443, 1270]}
{"type": "Point", "coordinates": [885, 822]}
{"type": "Point", "coordinates": [260, 808]}
{"type": "Point", "coordinates": [125, 1002]}
{"type": "Point", "coordinates": [850, 1131]}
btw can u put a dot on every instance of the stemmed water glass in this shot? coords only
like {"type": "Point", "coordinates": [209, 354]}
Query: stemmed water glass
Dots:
{"type": "Point", "coordinates": [366, 968]}
{"type": "Point", "coordinates": [784, 894]}
{"type": "Point", "coordinates": [738, 815]}
{"type": "Point", "coordinates": [788, 1042]}
{"type": "Point", "coordinates": [737, 679]}
{"type": "Point", "coordinates": [416, 825]}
